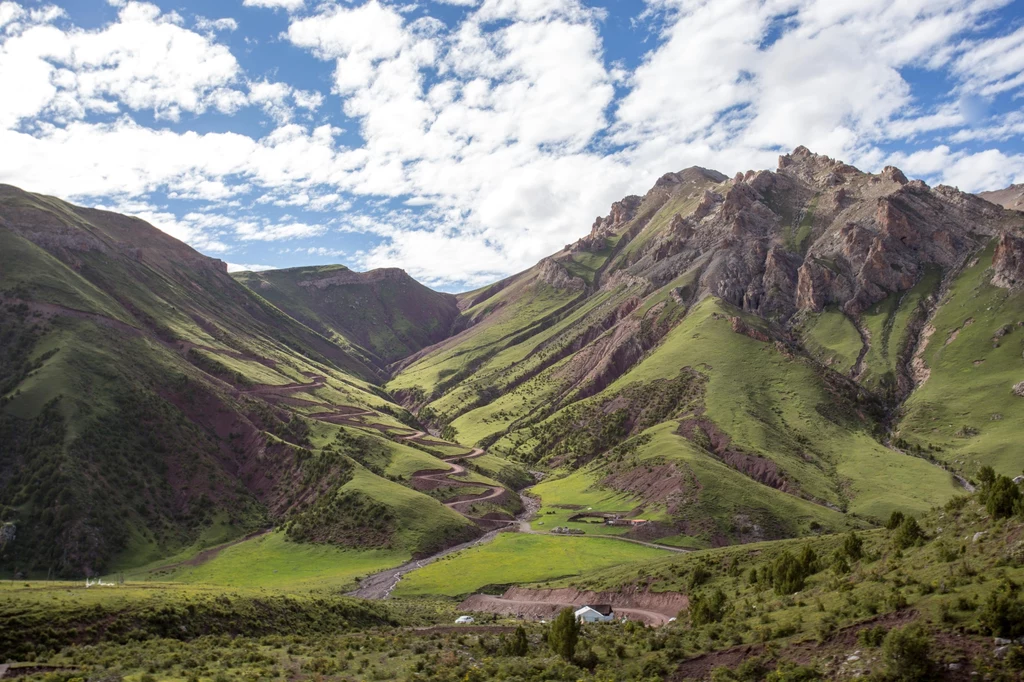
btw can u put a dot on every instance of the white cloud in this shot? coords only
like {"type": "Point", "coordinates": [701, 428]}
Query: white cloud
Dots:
{"type": "Point", "coordinates": [972, 172]}
{"type": "Point", "coordinates": [290, 5]}
{"type": "Point", "coordinates": [223, 24]}
{"type": "Point", "coordinates": [243, 267]}
{"type": "Point", "coordinates": [476, 147]}
{"type": "Point", "coordinates": [272, 232]}
{"type": "Point", "coordinates": [144, 60]}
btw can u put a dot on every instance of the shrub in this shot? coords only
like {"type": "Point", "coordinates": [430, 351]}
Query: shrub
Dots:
{"type": "Point", "coordinates": [789, 573]}
{"type": "Point", "coordinates": [853, 546]}
{"type": "Point", "coordinates": [908, 534]}
{"type": "Point", "coordinates": [1002, 497]}
{"type": "Point", "coordinates": [707, 607]}
{"type": "Point", "coordinates": [791, 672]}
{"type": "Point", "coordinates": [1003, 613]}
{"type": "Point", "coordinates": [518, 645]}
{"type": "Point", "coordinates": [872, 636]}
{"type": "Point", "coordinates": [906, 652]}
{"type": "Point", "coordinates": [895, 519]}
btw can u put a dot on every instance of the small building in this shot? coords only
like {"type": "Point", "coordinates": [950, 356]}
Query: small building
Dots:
{"type": "Point", "coordinates": [464, 620]}
{"type": "Point", "coordinates": [596, 613]}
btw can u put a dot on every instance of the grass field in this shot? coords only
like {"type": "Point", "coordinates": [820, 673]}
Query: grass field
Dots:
{"type": "Point", "coordinates": [519, 558]}
{"type": "Point", "coordinates": [272, 561]}
{"type": "Point", "coordinates": [833, 339]}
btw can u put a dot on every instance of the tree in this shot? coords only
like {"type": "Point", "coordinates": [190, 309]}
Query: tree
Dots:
{"type": "Point", "coordinates": [787, 574]}
{"type": "Point", "coordinates": [895, 519]}
{"type": "Point", "coordinates": [853, 546]}
{"type": "Point", "coordinates": [908, 534]}
{"type": "Point", "coordinates": [1002, 497]}
{"type": "Point", "coordinates": [564, 633]}
{"type": "Point", "coordinates": [906, 653]}
{"type": "Point", "coordinates": [986, 476]}
{"type": "Point", "coordinates": [518, 645]}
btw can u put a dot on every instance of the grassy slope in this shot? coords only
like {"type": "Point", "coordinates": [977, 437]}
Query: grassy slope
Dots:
{"type": "Point", "coordinates": [272, 561]}
{"type": "Point", "coordinates": [391, 318]}
{"type": "Point", "coordinates": [767, 404]}
{"type": "Point", "coordinates": [832, 339]}
{"type": "Point", "coordinates": [728, 498]}
{"type": "Point", "coordinates": [971, 377]}
{"type": "Point", "coordinates": [92, 367]}
{"type": "Point", "coordinates": [887, 323]}
{"type": "Point", "coordinates": [519, 558]}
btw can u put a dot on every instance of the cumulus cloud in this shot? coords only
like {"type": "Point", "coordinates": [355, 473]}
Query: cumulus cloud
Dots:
{"type": "Point", "coordinates": [476, 145]}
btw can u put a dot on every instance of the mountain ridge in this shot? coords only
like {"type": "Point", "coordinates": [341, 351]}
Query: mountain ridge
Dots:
{"type": "Point", "coordinates": [768, 355]}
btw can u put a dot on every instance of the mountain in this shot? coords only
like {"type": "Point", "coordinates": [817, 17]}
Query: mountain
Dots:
{"type": "Point", "coordinates": [1011, 197]}
{"type": "Point", "coordinates": [752, 357]}
{"type": "Point", "coordinates": [149, 403]}
{"type": "Point", "coordinates": [385, 312]}
{"type": "Point", "coordinates": [776, 354]}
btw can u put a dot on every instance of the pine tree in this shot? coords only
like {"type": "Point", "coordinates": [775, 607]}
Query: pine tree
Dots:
{"type": "Point", "coordinates": [564, 633]}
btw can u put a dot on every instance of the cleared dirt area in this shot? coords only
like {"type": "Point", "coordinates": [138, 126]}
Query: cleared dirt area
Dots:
{"type": "Point", "coordinates": [652, 608]}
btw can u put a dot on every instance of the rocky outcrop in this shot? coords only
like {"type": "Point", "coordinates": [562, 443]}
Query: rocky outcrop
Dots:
{"type": "Point", "coordinates": [558, 277]}
{"type": "Point", "coordinates": [1008, 262]}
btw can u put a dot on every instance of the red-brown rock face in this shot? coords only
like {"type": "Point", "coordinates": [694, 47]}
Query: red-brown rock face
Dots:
{"type": "Point", "coordinates": [1008, 262]}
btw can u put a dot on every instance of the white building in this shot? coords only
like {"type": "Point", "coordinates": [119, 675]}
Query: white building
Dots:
{"type": "Point", "coordinates": [598, 613]}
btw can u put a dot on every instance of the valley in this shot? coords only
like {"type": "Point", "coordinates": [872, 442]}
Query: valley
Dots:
{"type": "Point", "coordinates": [717, 413]}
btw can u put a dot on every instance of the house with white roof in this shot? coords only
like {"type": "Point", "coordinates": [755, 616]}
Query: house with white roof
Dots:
{"type": "Point", "coordinates": [596, 613]}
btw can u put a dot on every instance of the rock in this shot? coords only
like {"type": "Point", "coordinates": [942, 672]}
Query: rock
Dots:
{"type": "Point", "coordinates": [1008, 262]}
{"type": "Point", "coordinates": [853, 658]}
{"type": "Point", "coordinates": [1018, 389]}
{"type": "Point", "coordinates": [978, 536]}
{"type": "Point", "coordinates": [1001, 641]}
{"type": "Point", "coordinates": [1001, 650]}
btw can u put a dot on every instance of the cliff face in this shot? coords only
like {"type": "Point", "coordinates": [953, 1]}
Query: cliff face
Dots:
{"type": "Point", "coordinates": [814, 233]}
{"type": "Point", "coordinates": [1008, 262]}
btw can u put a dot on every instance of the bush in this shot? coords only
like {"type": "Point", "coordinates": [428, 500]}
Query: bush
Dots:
{"type": "Point", "coordinates": [908, 534]}
{"type": "Point", "coordinates": [518, 645]}
{"type": "Point", "coordinates": [1002, 497]}
{"type": "Point", "coordinates": [872, 637]}
{"type": "Point", "coordinates": [853, 546]}
{"type": "Point", "coordinates": [1003, 613]}
{"type": "Point", "coordinates": [791, 672]}
{"type": "Point", "coordinates": [906, 652]}
{"type": "Point", "coordinates": [789, 573]}
{"type": "Point", "coordinates": [707, 607]}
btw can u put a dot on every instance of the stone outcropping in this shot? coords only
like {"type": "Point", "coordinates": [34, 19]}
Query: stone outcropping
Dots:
{"type": "Point", "coordinates": [1008, 262]}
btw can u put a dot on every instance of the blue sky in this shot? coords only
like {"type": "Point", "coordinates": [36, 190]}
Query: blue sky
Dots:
{"type": "Point", "coordinates": [464, 140]}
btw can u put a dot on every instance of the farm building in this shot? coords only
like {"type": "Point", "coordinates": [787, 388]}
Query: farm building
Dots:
{"type": "Point", "coordinates": [598, 613]}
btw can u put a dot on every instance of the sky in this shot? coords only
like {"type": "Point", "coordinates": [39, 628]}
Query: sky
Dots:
{"type": "Point", "coordinates": [464, 140]}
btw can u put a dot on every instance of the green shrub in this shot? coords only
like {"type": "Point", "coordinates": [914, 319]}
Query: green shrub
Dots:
{"type": "Point", "coordinates": [895, 519]}
{"type": "Point", "coordinates": [908, 534]}
{"type": "Point", "coordinates": [1002, 497]}
{"type": "Point", "coordinates": [1003, 613]}
{"type": "Point", "coordinates": [707, 607]}
{"type": "Point", "coordinates": [906, 652]}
